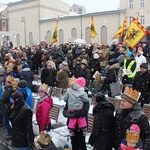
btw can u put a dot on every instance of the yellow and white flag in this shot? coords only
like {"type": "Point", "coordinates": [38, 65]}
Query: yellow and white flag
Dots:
{"type": "Point", "coordinates": [135, 33]}
{"type": "Point", "coordinates": [55, 34]}
{"type": "Point", "coordinates": [121, 30]}
{"type": "Point", "coordinates": [92, 29]}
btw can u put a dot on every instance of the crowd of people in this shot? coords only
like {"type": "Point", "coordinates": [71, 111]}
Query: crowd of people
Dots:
{"type": "Point", "coordinates": [93, 67]}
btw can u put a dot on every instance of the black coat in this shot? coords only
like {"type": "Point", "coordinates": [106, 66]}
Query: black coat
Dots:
{"type": "Point", "coordinates": [125, 118]}
{"type": "Point", "coordinates": [141, 83]}
{"type": "Point", "coordinates": [22, 135]}
{"type": "Point", "coordinates": [5, 106]}
{"type": "Point", "coordinates": [48, 76]}
{"type": "Point", "coordinates": [27, 75]}
{"type": "Point", "coordinates": [86, 73]}
{"type": "Point", "coordinates": [103, 126]}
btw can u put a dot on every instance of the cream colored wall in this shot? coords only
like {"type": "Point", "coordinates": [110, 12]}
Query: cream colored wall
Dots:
{"type": "Point", "coordinates": [30, 12]}
{"type": "Point", "coordinates": [110, 21]}
{"type": "Point", "coordinates": [53, 8]}
{"type": "Point", "coordinates": [124, 4]}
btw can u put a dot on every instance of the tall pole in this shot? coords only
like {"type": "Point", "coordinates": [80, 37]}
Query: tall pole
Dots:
{"type": "Point", "coordinates": [24, 23]}
{"type": "Point", "coordinates": [80, 9]}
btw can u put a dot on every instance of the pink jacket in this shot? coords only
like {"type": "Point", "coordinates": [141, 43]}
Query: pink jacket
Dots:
{"type": "Point", "coordinates": [42, 113]}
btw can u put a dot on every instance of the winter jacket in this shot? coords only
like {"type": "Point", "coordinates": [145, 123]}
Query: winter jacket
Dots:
{"type": "Point", "coordinates": [5, 102]}
{"type": "Point", "coordinates": [141, 83]}
{"type": "Point", "coordinates": [77, 69]}
{"type": "Point", "coordinates": [125, 118]}
{"type": "Point", "coordinates": [42, 112]}
{"type": "Point", "coordinates": [139, 60]}
{"type": "Point", "coordinates": [86, 73]}
{"type": "Point", "coordinates": [48, 76]}
{"type": "Point", "coordinates": [103, 127]}
{"type": "Point", "coordinates": [63, 78]}
{"type": "Point", "coordinates": [27, 75]}
{"type": "Point", "coordinates": [75, 97]}
{"type": "Point", "coordinates": [27, 95]}
{"type": "Point", "coordinates": [22, 132]}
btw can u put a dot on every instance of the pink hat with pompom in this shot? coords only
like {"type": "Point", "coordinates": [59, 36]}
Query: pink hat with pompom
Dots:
{"type": "Point", "coordinates": [81, 81]}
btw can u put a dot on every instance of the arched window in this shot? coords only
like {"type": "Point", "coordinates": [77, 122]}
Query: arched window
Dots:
{"type": "Point", "coordinates": [61, 36]}
{"type": "Point", "coordinates": [18, 40]}
{"type": "Point", "coordinates": [103, 34]}
{"type": "Point", "coordinates": [49, 37]}
{"type": "Point", "coordinates": [87, 35]}
{"type": "Point", "coordinates": [30, 38]}
{"type": "Point", "coordinates": [74, 33]}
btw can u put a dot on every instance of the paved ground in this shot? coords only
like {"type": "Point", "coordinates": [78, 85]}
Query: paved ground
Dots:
{"type": "Point", "coordinates": [4, 145]}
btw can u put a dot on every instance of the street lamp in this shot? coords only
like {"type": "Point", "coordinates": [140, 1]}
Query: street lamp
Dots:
{"type": "Point", "coordinates": [24, 21]}
{"type": "Point", "coordinates": [80, 11]}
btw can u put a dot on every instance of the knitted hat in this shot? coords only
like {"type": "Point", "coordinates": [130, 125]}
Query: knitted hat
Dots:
{"type": "Point", "coordinates": [81, 81]}
{"type": "Point", "coordinates": [133, 134]}
{"type": "Point", "coordinates": [132, 96]}
{"type": "Point", "coordinates": [22, 84]}
{"type": "Point", "coordinates": [100, 98]}
{"type": "Point", "coordinates": [43, 88]}
{"type": "Point", "coordinates": [95, 56]}
{"type": "Point", "coordinates": [144, 65]}
{"type": "Point", "coordinates": [129, 54]}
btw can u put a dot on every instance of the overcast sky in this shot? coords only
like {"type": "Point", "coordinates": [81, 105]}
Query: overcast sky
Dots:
{"type": "Point", "coordinates": [90, 5]}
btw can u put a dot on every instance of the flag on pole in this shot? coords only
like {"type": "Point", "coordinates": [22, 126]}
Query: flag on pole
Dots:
{"type": "Point", "coordinates": [138, 16]}
{"type": "Point", "coordinates": [135, 33]}
{"type": "Point", "coordinates": [92, 29]}
{"type": "Point", "coordinates": [55, 34]}
{"type": "Point", "coordinates": [122, 29]}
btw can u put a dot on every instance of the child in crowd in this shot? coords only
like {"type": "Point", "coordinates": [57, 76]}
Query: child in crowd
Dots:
{"type": "Point", "coordinates": [132, 140]}
{"type": "Point", "coordinates": [43, 109]}
{"type": "Point", "coordinates": [75, 97]}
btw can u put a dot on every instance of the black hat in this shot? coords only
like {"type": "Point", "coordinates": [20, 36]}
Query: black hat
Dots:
{"type": "Point", "coordinates": [22, 84]}
{"type": "Point", "coordinates": [144, 65]}
{"type": "Point", "coordinates": [100, 98]}
{"type": "Point", "coordinates": [18, 99]}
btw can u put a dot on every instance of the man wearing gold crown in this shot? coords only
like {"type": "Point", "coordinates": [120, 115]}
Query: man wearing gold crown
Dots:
{"type": "Point", "coordinates": [131, 113]}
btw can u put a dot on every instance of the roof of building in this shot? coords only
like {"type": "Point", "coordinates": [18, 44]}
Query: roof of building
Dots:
{"type": "Point", "coordinates": [19, 2]}
{"type": "Point", "coordinates": [2, 7]}
{"type": "Point", "coordinates": [84, 15]}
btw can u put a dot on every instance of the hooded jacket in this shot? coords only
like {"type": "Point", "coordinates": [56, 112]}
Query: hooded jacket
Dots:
{"type": "Point", "coordinates": [75, 97]}
{"type": "Point", "coordinates": [42, 112]}
{"type": "Point", "coordinates": [125, 118]}
{"type": "Point", "coordinates": [103, 126]}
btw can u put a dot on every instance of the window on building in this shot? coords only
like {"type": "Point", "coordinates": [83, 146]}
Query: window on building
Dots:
{"type": "Point", "coordinates": [130, 19]}
{"type": "Point", "coordinates": [87, 35]}
{"type": "Point", "coordinates": [141, 3]}
{"type": "Point", "coordinates": [4, 25]}
{"type": "Point", "coordinates": [103, 34]}
{"type": "Point", "coordinates": [74, 33]}
{"type": "Point", "coordinates": [61, 36]}
{"type": "Point", "coordinates": [30, 38]}
{"type": "Point", "coordinates": [49, 38]}
{"type": "Point", "coordinates": [142, 19]}
{"type": "Point", "coordinates": [130, 4]}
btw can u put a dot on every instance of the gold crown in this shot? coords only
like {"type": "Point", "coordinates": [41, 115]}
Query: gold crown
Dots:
{"type": "Point", "coordinates": [15, 83]}
{"type": "Point", "coordinates": [72, 81]}
{"type": "Point", "coordinates": [44, 139]}
{"type": "Point", "coordinates": [10, 79]}
{"type": "Point", "coordinates": [132, 93]}
{"type": "Point", "coordinates": [44, 86]}
{"type": "Point", "coordinates": [132, 136]}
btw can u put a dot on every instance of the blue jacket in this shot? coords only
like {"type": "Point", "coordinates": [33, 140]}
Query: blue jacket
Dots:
{"type": "Point", "coordinates": [28, 99]}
